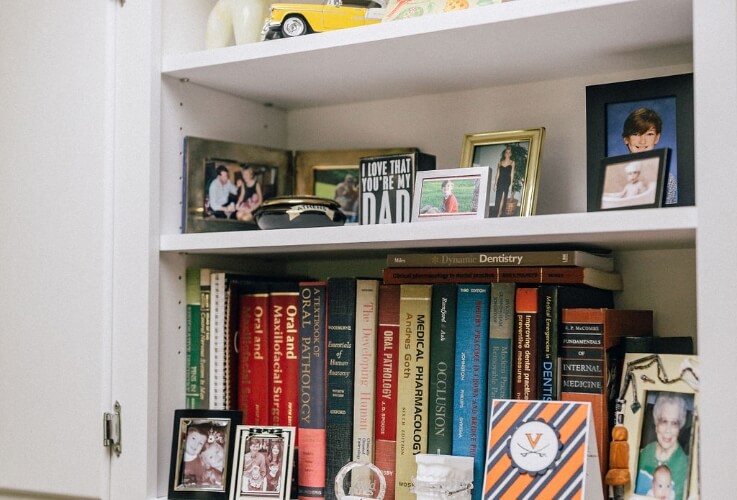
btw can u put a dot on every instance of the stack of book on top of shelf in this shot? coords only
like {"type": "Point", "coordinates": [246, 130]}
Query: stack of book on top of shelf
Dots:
{"type": "Point", "coordinates": [377, 370]}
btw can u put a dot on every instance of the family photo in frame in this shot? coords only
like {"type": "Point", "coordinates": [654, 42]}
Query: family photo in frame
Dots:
{"type": "Point", "coordinates": [263, 463]}
{"type": "Point", "coordinates": [514, 159]}
{"type": "Point", "coordinates": [638, 116]}
{"type": "Point", "coordinates": [225, 182]}
{"type": "Point", "coordinates": [659, 401]}
{"type": "Point", "coordinates": [202, 444]}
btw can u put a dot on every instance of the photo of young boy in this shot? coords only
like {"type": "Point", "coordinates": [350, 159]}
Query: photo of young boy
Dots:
{"type": "Point", "coordinates": [638, 126]}
{"type": "Point", "coordinates": [204, 445]}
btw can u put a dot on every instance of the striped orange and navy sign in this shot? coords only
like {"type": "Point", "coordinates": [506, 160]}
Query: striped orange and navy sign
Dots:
{"type": "Point", "coordinates": [516, 446]}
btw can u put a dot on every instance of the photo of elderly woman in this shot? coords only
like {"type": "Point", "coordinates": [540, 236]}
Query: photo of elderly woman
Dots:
{"type": "Point", "coordinates": [665, 445]}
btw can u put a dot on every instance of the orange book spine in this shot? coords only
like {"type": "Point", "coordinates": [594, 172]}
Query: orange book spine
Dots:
{"type": "Point", "coordinates": [524, 358]}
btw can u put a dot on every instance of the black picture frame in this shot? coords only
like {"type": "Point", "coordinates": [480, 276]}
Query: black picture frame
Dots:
{"type": "Point", "coordinates": [607, 106]}
{"type": "Point", "coordinates": [216, 430]}
{"type": "Point", "coordinates": [619, 191]}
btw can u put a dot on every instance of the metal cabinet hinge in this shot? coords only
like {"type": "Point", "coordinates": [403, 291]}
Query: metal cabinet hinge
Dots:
{"type": "Point", "coordinates": [111, 430]}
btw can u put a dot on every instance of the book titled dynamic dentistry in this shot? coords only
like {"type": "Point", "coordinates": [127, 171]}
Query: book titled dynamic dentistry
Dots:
{"type": "Point", "coordinates": [580, 258]}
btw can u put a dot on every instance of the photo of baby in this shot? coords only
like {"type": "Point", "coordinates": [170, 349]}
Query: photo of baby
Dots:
{"type": "Point", "coordinates": [639, 126]}
{"type": "Point", "coordinates": [632, 181]}
{"type": "Point", "coordinates": [665, 446]}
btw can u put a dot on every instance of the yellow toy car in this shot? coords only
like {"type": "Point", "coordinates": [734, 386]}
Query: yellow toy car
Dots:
{"type": "Point", "coordinates": [296, 19]}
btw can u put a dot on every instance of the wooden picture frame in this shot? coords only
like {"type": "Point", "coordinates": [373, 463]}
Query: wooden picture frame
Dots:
{"type": "Point", "coordinates": [456, 193]}
{"type": "Point", "coordinates": [633, 181]}
{"type": "Point", "coordinates": [488, 149]}
{"type": "Point", "coordinates": [202, 447]}
{"type": "Point", "coordinates": [263, 463]}
{"type": "Point", "coordinates": [202, 160]}
{"type": "Point", "coordinates": [615, 110]}
{"type": "Point", "coordinates": [659, 407]}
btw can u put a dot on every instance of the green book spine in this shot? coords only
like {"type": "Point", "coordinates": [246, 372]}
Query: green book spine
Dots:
{"type": "Point", "coordinates": [341, 313]}
{"type": "Point", "coordinates": [204, 338]}
{"type": "Point", "coordinates": [193, 338]}
{"type": "Point", "coordinates": [442, 368]}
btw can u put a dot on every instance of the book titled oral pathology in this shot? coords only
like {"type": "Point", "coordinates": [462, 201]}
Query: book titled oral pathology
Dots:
{"type": "Point", "coordinates": [387, 373]}
{"type": "Point", "coordinates": [313, 381]}
{"type": "Point", "coordinates": [554, 275]}
{"type": "Point", "coordinates": [580, 258]}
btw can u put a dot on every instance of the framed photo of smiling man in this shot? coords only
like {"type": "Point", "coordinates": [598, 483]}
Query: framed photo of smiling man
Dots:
{"type": "Point", "coordinates": [637, 116]}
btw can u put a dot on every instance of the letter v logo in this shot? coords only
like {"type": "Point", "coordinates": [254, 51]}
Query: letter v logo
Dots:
{"type": "Point", "coordinates": [533, 441]}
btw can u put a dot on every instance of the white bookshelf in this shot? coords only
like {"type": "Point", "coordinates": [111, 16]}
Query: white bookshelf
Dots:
{"type": "Point", "coordinates": [426, 82]}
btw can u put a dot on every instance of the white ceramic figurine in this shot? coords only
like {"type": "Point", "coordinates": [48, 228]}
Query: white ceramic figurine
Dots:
{"type": "Point", "coordinates": [239, 20]}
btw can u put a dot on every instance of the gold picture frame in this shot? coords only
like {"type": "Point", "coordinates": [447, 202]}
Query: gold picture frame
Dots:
{"type": "Point", "coordinates": [307, 163]}
{"type": "Point", "coordinates": [660, 390]}
{"type": "Point", "coordinates": [487, 149]}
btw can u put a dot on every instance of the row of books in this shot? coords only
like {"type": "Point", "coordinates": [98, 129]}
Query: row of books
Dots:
{"type": "Point", "coordinates": [382, 371]}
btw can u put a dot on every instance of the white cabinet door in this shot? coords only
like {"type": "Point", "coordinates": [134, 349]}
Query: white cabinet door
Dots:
{"type": "Point", "coordinates": [55, 247]}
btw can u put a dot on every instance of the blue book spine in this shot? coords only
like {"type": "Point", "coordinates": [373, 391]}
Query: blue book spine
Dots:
{"type": "Point", "coordinates": [472, 357]}
{"type": "Point", "coordinates": [313, 383]}
{"type": "Point", "coordinates": [501, 329]}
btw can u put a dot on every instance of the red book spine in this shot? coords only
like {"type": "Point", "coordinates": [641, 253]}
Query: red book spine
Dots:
{"type": "Point", "coordinates": [285, 358]}
{"type": "Point", "coordinates": [559, 275]}
{"type": "Point", "coordinates": [254, 394]}
{"type": "Point", "coordinates": [524, 361]}
{"type": "Point", "coordinates": [386, 385]}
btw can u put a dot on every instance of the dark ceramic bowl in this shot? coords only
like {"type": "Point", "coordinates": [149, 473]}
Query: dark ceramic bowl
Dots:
{"type": "Point", "coordinates": [298, 212]}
